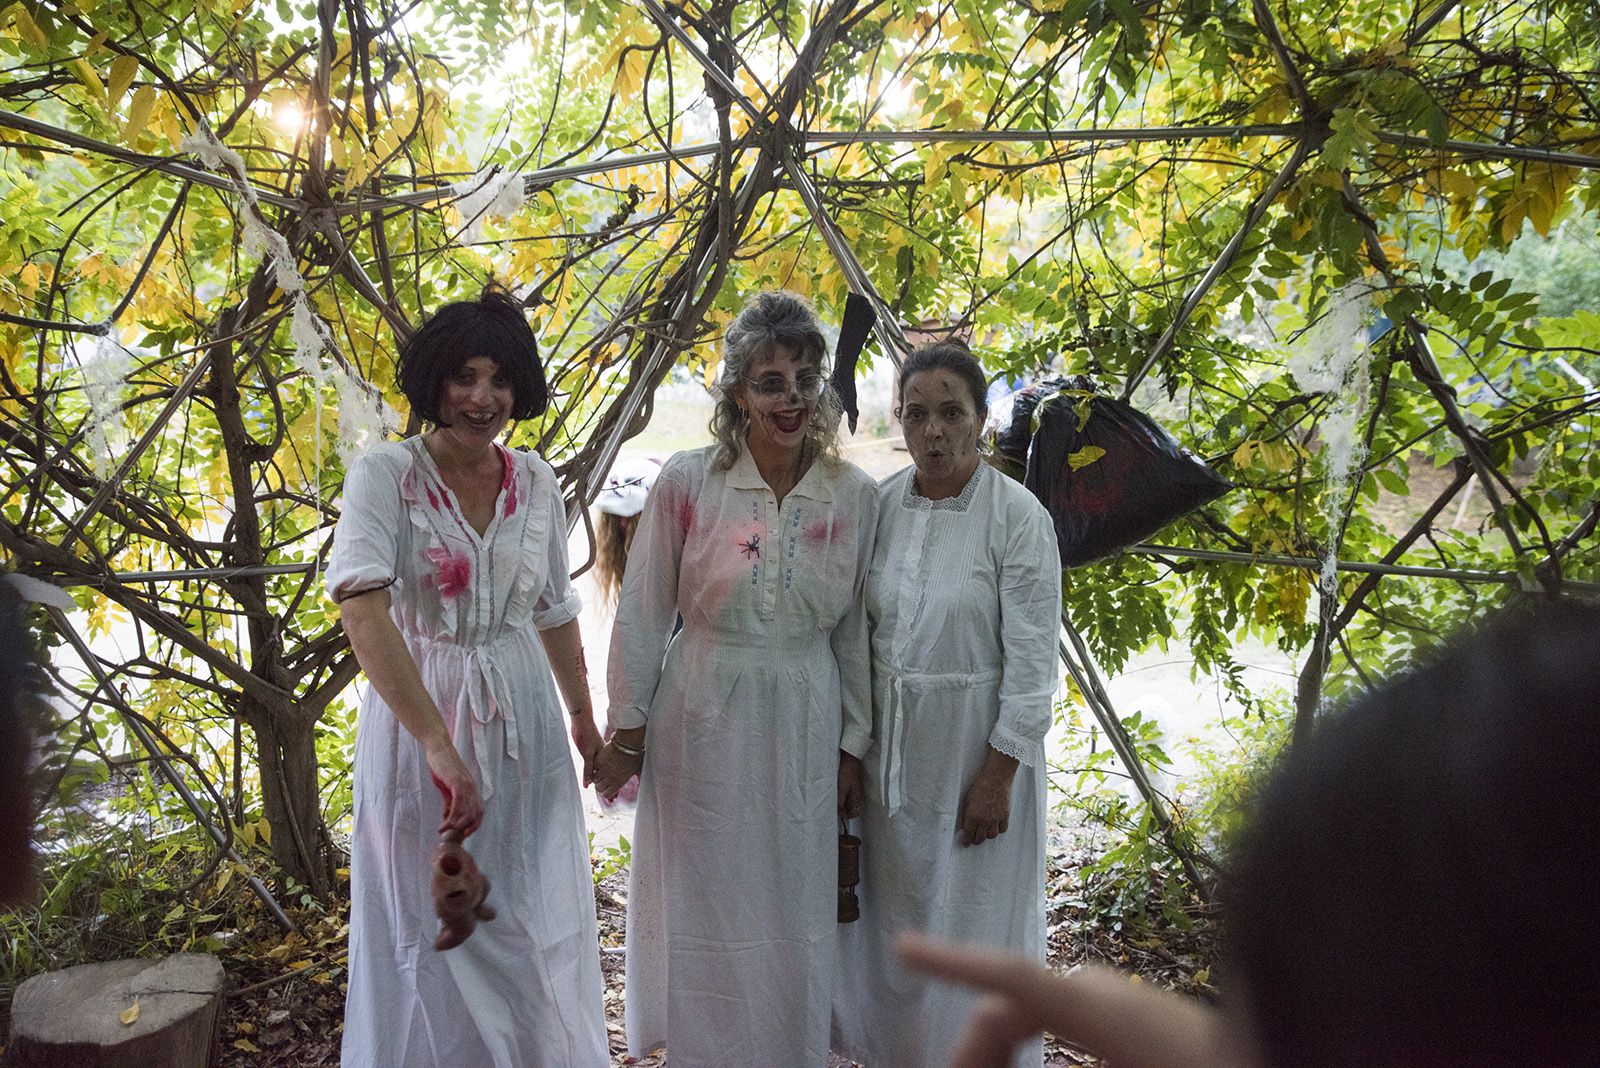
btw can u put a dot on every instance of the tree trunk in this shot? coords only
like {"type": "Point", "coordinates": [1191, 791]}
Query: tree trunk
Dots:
{"type": "Point", "coordinates": [1308, 690]}
{"type": "Point", "coordinates": [119, 1013]}
{"type": "Point", "coordinates": [287, 755]}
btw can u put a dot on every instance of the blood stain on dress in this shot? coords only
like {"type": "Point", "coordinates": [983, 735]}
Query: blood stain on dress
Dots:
{"type": "Point", "coordinates": [826, 531]}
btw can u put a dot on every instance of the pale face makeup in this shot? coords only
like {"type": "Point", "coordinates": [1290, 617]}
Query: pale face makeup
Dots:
{"type": "Point", "coordinates": [779, 392]}
{"type": "Point", "coordinates": [941, 428]}
{"type": "Point", "coordinates": [476, 401]}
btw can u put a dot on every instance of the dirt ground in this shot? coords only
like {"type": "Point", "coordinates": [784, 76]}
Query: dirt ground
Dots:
{"type": "Point", "coordinates": [286, 1008]}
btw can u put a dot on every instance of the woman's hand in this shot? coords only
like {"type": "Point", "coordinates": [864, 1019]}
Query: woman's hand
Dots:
{"type": "Point", "coordinates": [463, 805]}
{"type": "Point", "coordinates": [586, 736]}
{"type": "Point", "coordinates": [850, 788]}
{"type": "Point", "coordinates": [986, 808]}
{"type": "Point", "coordinates": [613, 768]}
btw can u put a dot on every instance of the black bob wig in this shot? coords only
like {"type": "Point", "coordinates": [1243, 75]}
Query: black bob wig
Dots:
{"type": "Point", "coordinates": [491, 326]}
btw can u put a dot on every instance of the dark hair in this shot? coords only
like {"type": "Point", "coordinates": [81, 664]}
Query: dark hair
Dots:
{"type": "Point", "coordinates": [1417, 884]}
{"type": "Point", "coordinates": [492, 326]}
{"type": "Point", "coordinates": [949, 356]}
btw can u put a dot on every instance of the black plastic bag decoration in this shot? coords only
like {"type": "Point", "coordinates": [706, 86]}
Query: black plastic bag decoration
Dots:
{"type": "Point", "coordinates": [1109, 476]}
{"type": "Point", "coordinates": [1012, 418]}
{"type": "Point", "coordinates": [858, 319]}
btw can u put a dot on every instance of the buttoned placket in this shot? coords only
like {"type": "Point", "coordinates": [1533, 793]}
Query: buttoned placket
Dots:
{"type": "Point", "coordinates": [484, 682]}
{"type": "Point", "coordinates": [770, 562]}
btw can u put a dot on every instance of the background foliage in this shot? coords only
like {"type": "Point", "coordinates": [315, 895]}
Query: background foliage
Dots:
{"type": "Point", "coordinates": [1181, 197]}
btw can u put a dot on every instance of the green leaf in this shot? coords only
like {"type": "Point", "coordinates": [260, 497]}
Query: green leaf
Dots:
{"type": "Point", "coordinates": [1392, 482]}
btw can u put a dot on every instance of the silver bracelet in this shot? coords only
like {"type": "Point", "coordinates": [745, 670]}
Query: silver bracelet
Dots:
{"type": "Point", "coordinates": [625, 749]}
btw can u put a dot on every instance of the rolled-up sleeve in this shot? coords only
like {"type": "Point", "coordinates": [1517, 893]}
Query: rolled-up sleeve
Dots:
{"type": "Point", "coordinates": [365, 551]}
{"type": "Point", "coordinates": [851, 640]}
{"type": "Point", "coordinates": [647, 606]}
{"type": "Point", "coordinates": [558, 602]}
{"type": "Point", "coordinates": [1030, 627]}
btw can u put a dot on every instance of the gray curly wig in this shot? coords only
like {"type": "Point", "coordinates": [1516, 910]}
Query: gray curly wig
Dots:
{"type": "Point", "coordinates": [776, 317]}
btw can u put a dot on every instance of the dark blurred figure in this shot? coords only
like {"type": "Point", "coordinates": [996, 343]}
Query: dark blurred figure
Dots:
{"type": "Point", "coordinates": [1414, 889]}
{"type": "Point", "coordinates": [1417, 885]}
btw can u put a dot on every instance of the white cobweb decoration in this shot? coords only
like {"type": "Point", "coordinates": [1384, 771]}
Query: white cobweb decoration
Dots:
{"type": "Point", "coordinates": [364, 416]}
{"type": "Point", "coordinates": [1333, 357]}
{"type": "Point", "coordinates": [105, 376]}
{"type": "Point", "coordinates": [486, 195]}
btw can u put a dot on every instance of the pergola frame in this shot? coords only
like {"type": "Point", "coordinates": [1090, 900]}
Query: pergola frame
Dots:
{"type": "Point", "coordinates": [660, 321]}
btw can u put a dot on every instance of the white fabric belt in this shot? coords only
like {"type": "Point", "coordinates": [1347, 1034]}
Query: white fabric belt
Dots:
{"type": "Point", "coordinates": [483, 689]}
{"type": "Point", "coordinates": [891, 742]}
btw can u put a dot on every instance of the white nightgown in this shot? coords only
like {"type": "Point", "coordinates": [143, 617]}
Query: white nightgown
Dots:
{"type": "Point", "coordinates": [964, 601]}
{"type": "Point", "coordinates": [732, 904]}
{"type": "Point", "coordinates": [525, 990]}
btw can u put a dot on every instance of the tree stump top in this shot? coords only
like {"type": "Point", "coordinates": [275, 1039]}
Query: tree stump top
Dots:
{"type": "Point", "coordinates": [76, 1015]}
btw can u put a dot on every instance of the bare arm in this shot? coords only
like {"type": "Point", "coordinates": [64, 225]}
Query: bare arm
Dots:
{"type": "Point", "coordinates": [381, 651]}
{"type": "Point", "coordinates": [564, 646]}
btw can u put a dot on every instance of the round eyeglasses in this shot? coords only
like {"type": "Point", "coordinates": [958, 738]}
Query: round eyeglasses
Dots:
{"type": "Point", "coordinates": [773, 386]}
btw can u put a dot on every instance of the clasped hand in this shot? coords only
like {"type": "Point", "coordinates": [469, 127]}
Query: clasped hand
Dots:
{"type": "Point", "coordinates": [613, 768]}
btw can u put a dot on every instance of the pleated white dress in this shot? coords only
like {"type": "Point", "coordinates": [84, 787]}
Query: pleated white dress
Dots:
{"type": "Point", "coordinates": [964, 601]}
{"type": "Point", "coordinates": [525, 990]}
{"type": "Point", "coordinates": [732, 904]}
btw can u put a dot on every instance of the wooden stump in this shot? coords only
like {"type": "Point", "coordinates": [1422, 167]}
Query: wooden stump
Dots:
{"type": "Point", "coordinates": [75, 1017]}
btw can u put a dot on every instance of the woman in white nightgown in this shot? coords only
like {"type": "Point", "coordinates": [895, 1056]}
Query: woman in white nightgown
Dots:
{"type": "Point", "coordinates": [964, 601]}
{"type": "Point", "coordinates": [754, 722]}
{"type": "Point", "coordinates": [450, 568]}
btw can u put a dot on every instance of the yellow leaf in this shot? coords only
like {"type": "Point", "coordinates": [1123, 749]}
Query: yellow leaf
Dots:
{"type": "Point", "coordinates": [630, 73]}
{"type": "Point", "coordinates": [139, 109]}
{"type": "Point", "coordinates": [28, 29]}
{"type": "Point", "coordinates": [1241, 455]}
{"type": "Point", "coordinates": [1512, 215]}
{"type": "Point", "coordinates": [248, 1028]}
{"type": "Point", "coordinates": [86, 75]}
{"type": "Point", "coordinates": [938, 162]}
{"type": "Point", "coordinates": [1278, 456]}
{"type": "Point", "coordinates": [265, 829]}
{"type": "Point", "coordinates": [1085, 456]}
{"type": "Point", "coordinates": [130, 1014]}
{"type": "Point", "coordinates": [123, 68]}
{"type": "Point", "coordinates": [1544, 189]}
{"type": "Point", "coordinates": [171, 125]}
{"type": "Point", "coordinates": [710, 373]}
{"type": "Point", "coordinates": [1274, 104]}
{"type": "Point", "coordinates": [1458, 183]}
{"type": "Point", "coordinates": [246, 1045]}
